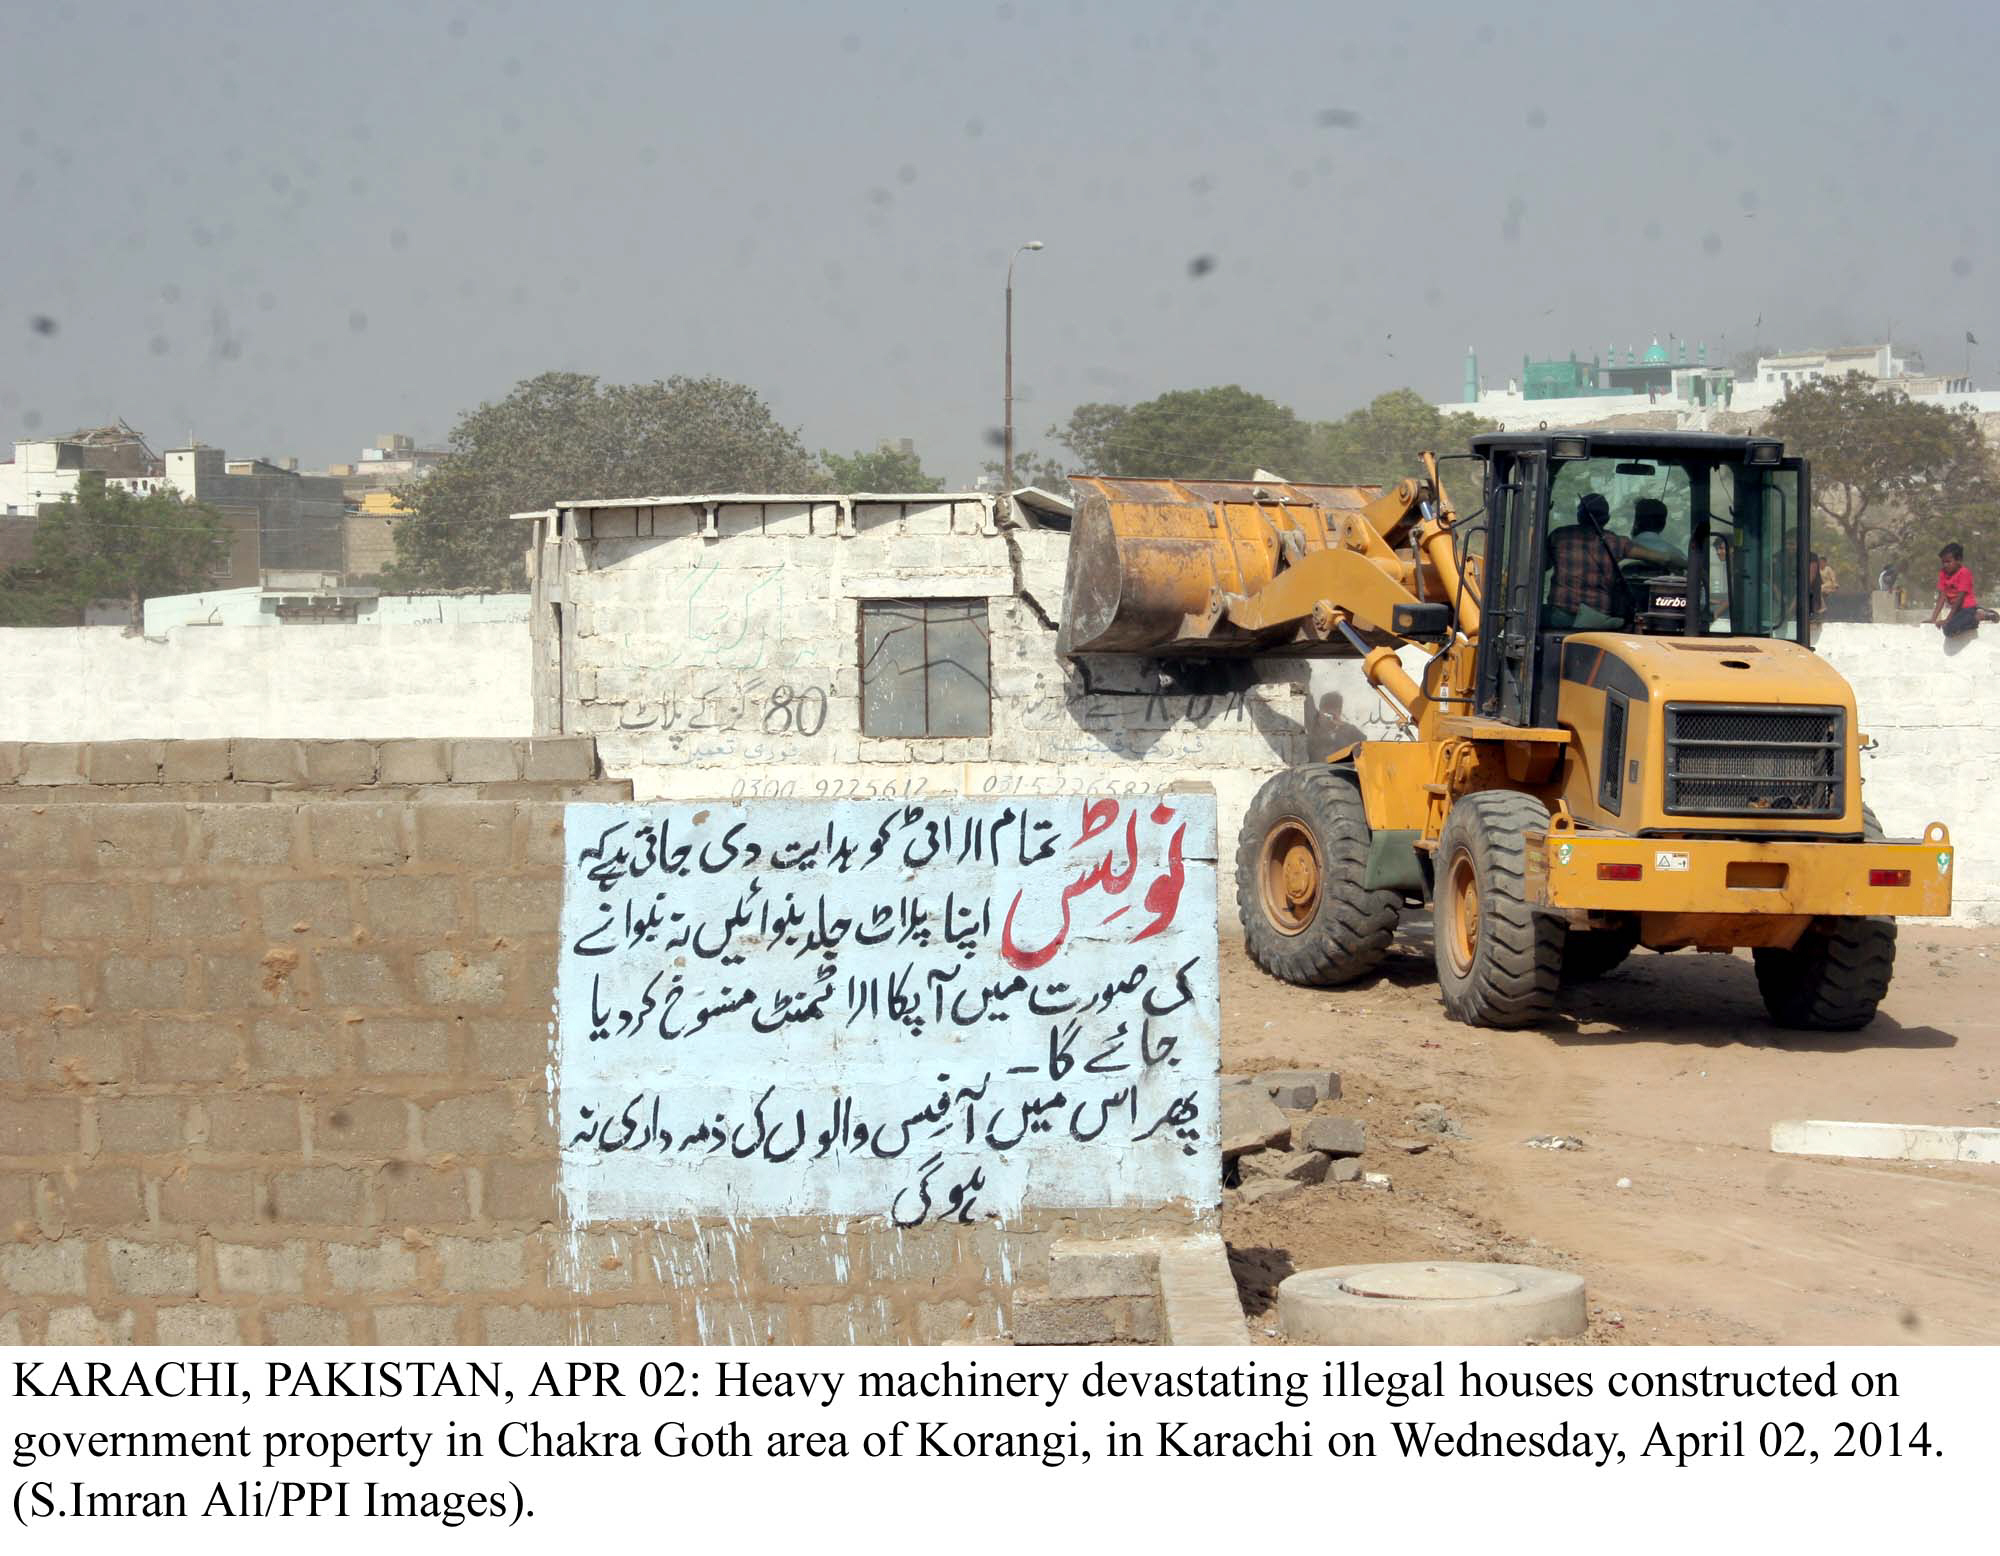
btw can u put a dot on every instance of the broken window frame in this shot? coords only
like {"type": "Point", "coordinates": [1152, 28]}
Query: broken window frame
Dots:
{"type": "Point", "coordinates": [971, 610]}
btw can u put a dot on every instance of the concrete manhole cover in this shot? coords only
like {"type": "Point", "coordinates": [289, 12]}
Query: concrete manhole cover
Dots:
{"type": "Point", "coordinates": [1441, 1303]}
{"type": "Point", "coordinates": [1428, 1282]}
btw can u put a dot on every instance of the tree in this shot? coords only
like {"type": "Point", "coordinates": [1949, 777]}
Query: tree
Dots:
{"type": "Point", "coordinates": [1194, 434]}
{"type": "Point", "coordinates": [1379, 444]}
{"type": "Point", "coordinates": [885, 470]}
{"type": "Point", "coordinates": [1089, 435]}
{"type": "Point", "coordinates": [103, 542]}
{"type": "Point", "coordinates": [1886, 470]}
{"type": "Point", "coordinates": [1030, 469]}
{"type": "Point", "coordinates": [562, 437]}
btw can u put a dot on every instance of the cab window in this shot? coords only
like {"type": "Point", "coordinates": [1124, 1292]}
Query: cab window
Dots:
{"type": "Point", "coordinates": [1613, 522]}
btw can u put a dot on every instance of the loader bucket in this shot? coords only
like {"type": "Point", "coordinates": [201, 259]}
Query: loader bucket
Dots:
{"type": "Point", "coordinates": [1153, 561]}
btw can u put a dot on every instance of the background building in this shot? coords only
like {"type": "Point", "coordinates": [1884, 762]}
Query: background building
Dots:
{"type": "Point", "coordinates": [284, 521]}
{"type": "Point", "coordinates": [393, 461]}
{"type": "Point", "coordinates": [370, 483]}
{"type": "Point", "coordinates": [1669, 390]}
{"type": "Point", "coordinates": [46, 470]}
{"type": "Point", "coordinates": [278, 518]}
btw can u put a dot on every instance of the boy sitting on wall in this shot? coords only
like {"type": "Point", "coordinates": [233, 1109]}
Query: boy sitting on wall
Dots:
{"type": "Point", "coordinates": [1957, 603]}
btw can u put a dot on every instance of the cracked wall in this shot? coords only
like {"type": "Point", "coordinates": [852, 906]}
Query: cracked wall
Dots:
{"type": "Point", "coordinates": [716, 649]}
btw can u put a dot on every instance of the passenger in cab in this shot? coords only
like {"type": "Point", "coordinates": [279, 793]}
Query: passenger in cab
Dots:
{"type": "Point", "coordinates": [1649, 524]}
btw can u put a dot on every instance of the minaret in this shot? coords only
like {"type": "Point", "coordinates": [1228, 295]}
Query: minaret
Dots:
{"type": "Point", "coordinates": [1471, 376]}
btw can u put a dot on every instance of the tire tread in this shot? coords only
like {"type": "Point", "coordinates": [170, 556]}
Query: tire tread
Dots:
{"type": "Point", "coordinates": [1355, 924]}
{"type": "Point", "coordinates": [1517, 964]}
{"type": "Point", "coordinates": [1838, 973]}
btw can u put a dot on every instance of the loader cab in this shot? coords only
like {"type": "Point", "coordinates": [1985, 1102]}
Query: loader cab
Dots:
{"type": "Point", "coordinates": [1678, 534]}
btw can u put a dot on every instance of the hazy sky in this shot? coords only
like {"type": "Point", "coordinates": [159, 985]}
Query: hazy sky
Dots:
{"type": "Point", "coordinates": [291, 228]}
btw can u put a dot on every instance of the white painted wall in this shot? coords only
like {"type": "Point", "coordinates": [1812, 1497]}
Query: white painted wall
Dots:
{"type": "Point", "coordinates": [304, 682]}
{"type": "Point", "coordinates": [1930, 707]}
{"type": "Point", "coordinates": [254, 607]}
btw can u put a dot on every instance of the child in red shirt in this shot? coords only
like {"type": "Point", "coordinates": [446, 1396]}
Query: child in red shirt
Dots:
{"type": "Point", "coordinates": [1956, 600]}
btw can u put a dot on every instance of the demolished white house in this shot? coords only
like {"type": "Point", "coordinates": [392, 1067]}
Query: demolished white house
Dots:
{"type": "Point", "coordinates": [817, 646]}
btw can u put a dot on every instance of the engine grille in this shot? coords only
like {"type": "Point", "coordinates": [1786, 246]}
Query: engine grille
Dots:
{"type": "Point", "coordinates": [1726, 760]}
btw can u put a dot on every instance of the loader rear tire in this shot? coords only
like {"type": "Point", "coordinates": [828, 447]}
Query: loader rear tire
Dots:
{"type": "Point", "coordinates": [1499, 962]}
{"type": "Point", "coordinates": [1833, 979]}
{"type": "Point", "coordinates": [1300, 862]}
{"type": "Point", "coordinates": [1590, 954]}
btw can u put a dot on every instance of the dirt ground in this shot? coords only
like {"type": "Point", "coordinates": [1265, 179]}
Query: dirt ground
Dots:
{"type": "Point", "coordinates": [1671, 1077]}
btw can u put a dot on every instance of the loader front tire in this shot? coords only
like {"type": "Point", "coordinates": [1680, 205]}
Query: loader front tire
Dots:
{"type": "Point", "coordinates": [1300, 862]}
{"type": "Point", "coordinates": [1499, 962]}
{"type": "Point", "coordinates": [1833, 979]}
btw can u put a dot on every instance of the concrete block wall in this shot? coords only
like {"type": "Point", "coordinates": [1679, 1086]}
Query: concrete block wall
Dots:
{"type": "Point", "coordinates": [1926, 704]}
{"type": "Point", "coordinates": [277, 1070]}
{"type": "Point", "coordinates": [85, 772]}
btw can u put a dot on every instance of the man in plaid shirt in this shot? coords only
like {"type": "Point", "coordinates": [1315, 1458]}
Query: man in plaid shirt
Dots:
{"type": "Point", "coordinates": [1587, 590]}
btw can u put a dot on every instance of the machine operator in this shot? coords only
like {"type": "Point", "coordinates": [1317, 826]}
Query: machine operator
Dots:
{"type": "Point", "coordinates": [1587, 590]}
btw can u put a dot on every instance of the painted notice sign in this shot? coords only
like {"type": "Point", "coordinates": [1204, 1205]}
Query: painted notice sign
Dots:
{"type": "Point", "coordinates": [935, 1011]}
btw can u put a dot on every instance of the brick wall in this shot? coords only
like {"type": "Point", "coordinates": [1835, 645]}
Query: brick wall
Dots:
{"type": "Point", "coordinates": [275, 1069]}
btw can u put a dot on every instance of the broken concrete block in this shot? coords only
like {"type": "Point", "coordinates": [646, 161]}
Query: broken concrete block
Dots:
{"type": "Point", "coordinates": [1250, 1122]}
{"type": "Point", "coordinates": [1081, 1267]}
{"type": "Point", "coordinates": [1040, 1319]}
{"type": "Point", "coordinates": [1227, 1081]}
{"type": "Point", "coordinates": [1263, 1191]}
{"type": "Point", "coordinates": [1335, 1136]}
{"type": "Point", "coordinates": [1325, 1084]}
{"type": "Point", "coordinates": [1343, 1169]}
{"type": "Point", "coordinates": [1430, 1118]}
{"type": "Point", "coordinates": [1297, 1166]}
{"type": "Point", "coordinates": [1294, 1096]}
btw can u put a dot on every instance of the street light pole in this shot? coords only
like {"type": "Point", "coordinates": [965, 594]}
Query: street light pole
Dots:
{"type": "Point", "coordinates": [1007, 466]}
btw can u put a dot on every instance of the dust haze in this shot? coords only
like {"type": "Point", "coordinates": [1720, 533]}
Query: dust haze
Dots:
{"type": "Point", "coordinates": [288, 227]}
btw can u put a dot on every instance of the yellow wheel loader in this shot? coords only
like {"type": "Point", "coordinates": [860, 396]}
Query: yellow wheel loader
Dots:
{"type": "Point", "coordinates": [1617, 732]}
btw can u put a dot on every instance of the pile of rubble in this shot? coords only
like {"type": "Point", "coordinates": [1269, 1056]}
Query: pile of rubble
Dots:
{"type": "Point", "coordinates": [1275, 1143]}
